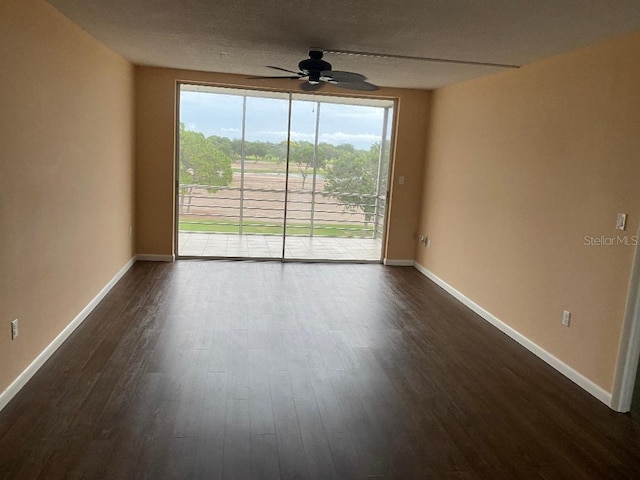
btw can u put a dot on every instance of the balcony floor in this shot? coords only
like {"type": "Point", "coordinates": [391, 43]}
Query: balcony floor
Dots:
{"type": "Point", "coordinates": [270, 246]}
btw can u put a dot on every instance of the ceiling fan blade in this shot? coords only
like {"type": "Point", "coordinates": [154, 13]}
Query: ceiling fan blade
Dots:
{"type": "Point", "coordinates": [300, 74]}
{"type": "Point", "coordinates": [310, 87]}
{"type": "Point", "coordinates": [338, 76]}
{"type": "Point", "coordinates": [363, 86]}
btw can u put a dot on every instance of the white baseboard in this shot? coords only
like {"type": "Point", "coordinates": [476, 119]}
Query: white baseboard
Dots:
{"type": "Point", "coordinates": [560, 366]}
{"type": "Point", "coordinates": [26, 375]}
{"type": "Point", "coordinates": [398, 263]}
{"type": "Point", "coordinates": [147, 257]}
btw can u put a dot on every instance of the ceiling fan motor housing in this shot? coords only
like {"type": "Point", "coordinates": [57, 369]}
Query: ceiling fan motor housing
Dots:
{"type": "Point", "coordinates": [314, 65]}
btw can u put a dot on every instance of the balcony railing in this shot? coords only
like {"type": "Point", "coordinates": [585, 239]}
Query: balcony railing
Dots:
{"type": "Point", "coordinates": [262, 211]}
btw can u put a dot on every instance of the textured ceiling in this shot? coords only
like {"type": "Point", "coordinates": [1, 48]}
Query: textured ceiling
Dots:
{"type": "Point", "coordinates": [243, 36]}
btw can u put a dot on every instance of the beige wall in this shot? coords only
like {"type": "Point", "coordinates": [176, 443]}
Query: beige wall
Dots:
{"type": "Point", "coordinates": [521, 167]}
{"type": "Point", "coordinates": [66, 175]}
{"type": "Point", "coordinates": [155, 118]}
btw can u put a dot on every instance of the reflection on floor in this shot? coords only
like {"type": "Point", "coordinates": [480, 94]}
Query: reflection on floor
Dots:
{"type": "Point", "coordinates": [270, 246]}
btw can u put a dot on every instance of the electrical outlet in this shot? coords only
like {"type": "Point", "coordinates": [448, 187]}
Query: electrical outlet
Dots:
{"type": "Point", "coordinates": [566, 318]}
{"type": "Point", "coordinates": [14, 329]}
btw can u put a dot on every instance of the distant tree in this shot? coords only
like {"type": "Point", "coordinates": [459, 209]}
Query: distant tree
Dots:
{"type": "Point", "coordinates": [276, 153]}
{"type": "Point", "coordinates": [236, 148]}
{"type": "Point", "coordinates": [223, 144]}
{"type": "Point", "coordinates": [201, 164]}
{"type": "Point", "coordinates": [256, 149]}
{"type": "Point", "coordinates": [352, 179]}
{"type": "Point", "coordinates": [345, 148]}
{"type": "Point", "coordinates": [301, 154]}
{"type": "Point", "coordinates": [327, 153]}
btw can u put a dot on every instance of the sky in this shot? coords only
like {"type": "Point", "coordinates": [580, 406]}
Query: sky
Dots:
{"type": "Point", "coordinates": [266, 120]}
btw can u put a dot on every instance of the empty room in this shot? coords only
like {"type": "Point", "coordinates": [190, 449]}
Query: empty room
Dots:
{"type": "Point", "coordinates": [319, 240]}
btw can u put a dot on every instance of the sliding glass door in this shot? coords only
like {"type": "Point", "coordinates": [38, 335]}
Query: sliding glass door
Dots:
{"type": "Point", "coordinates": [231, 189]}
{"type": "Point", "coordinates": [276, 175]}
{"type": "Point", "coordinates": [339, 165]}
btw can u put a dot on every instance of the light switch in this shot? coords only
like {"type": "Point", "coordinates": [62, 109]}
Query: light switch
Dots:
{"type": "Point", "coordinates": [400, 180]}
{"type": "Point", "coordinates": [621, 221]}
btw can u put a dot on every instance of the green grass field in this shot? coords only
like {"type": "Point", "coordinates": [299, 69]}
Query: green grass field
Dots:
{"type": "Point", "coordinates": [319, 230]}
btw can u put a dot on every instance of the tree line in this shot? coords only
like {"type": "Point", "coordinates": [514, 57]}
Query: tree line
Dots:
{"type": "Point", "coordinates": [351, 174]}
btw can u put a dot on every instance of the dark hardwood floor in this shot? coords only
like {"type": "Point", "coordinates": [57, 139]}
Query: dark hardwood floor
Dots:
{"type": "Point", "coordinates": [244, 370]}
{"type": "Point", "coordinates": [635, 402]}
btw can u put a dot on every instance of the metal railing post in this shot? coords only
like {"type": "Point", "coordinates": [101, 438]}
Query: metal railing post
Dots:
{"type": "Point", "coordinates": [242, 160]}
{"type": "Point", "coordinates": [383, 146]}
{"type": "Point", "coordinates": [286, 183]}
{"type": "Point", "coordinates": [315, 171]}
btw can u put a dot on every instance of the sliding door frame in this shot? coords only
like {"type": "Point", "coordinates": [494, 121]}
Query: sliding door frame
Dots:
{"type": "Point", "coordinates": [290, 93]}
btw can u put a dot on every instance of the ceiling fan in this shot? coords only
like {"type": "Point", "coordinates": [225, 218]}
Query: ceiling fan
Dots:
{"type": "Point", "coordinates": [317, 72]}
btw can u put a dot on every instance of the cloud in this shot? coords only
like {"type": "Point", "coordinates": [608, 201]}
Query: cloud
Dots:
{"type": "Point", "coordinates": [356, 138]}
{"type": "Point", "coordinates": [361, 140]}
{"type": "Point", "coordinates": [266, 120]}
{"type": "Point", "coordinates": [356, 113]}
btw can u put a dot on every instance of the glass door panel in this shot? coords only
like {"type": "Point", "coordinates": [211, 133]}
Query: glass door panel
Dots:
{"type": "Point", "coordinates": [339, 165]}
{"type": "Point", "coordinates": [263, 177]}
{"type": "Point", "coordinates": [302, 177]}
{"type": "Point", "coordinates": [232, 172]}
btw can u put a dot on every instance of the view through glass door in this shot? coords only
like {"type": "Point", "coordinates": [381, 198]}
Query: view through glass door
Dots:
{"type": "Point", "coordinates": [277, 176]}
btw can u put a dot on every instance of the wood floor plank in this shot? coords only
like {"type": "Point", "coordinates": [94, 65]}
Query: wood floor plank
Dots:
{"type": "Point", "coordinates": [237, 439]}
{"type": "Point", "coordinates": [242, 370]}
{"type": "Point", "coordinates": [210, 446]}
{"type": "Point", "coordinates": [134, 428]}
{"type": "Point", "coordinates": [260, 406]}
{"type": "Point", "coordinates": [264, 457]}
{"type": "Point", "coordinates": [239, 364]}
{"type": "Point", "coordinates": [314, 440]}
{"type": "Point", "coordinates": [288, 437]}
